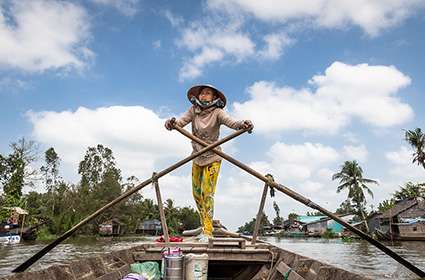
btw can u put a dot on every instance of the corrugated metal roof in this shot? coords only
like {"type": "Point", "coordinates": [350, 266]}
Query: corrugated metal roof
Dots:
{"type": "Point", "coordinates": [309, 219]}
{"type": "Point", "coordinates": [326, 218]}
{"type": "Point", "coordinates": [399, 207]}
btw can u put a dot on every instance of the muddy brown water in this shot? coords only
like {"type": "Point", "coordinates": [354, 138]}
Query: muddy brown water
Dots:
{"type": "Point", "coordinates": [357, 256]}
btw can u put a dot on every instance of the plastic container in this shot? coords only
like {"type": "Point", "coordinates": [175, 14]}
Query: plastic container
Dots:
{"type": "Point", "coordinates": [196, 267]}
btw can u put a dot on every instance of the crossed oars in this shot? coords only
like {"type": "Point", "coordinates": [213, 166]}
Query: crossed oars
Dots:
{"type": "Point", "coordinates": [125, 195]}
{"type": "Point", "coordinates": [269, 182]}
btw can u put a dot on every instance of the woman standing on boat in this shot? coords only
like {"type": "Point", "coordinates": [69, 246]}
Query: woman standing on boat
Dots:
{"type": "Point", "coordinates": [206, 116]}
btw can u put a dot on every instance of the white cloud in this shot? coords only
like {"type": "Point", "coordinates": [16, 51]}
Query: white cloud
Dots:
{"type": "Point", "coordinates": [193, 67]}
{"type": "Point", "coordinates": [156, 44]}
{"type": "Point", "coordinates": [12, 85]}
{"type": "Point", "coordinates": [211, 43]}
{"type": "Point", "coordinates": [344, 92]}
{"type": "Point", "coordinates": [216, 40]}
{"type": "Point", "coordinates": [135, 134]}
{"type": "Point", "coordinates": [275, 44]}
{"type": "Point", "coordinates": [296, 163]}
{"type": "Point", "coordinates": [305, 168]}
{"type": "Point", "coordinates": [402, 166]}
{"type": "Point", "coordinates": [351, 137]}
{"type": "Point", "coordinates": [371, 16]}
{"type": "Point", "coordinates": [38, 35]}
{"type": "Point", "coordinates": [175, 187]}
{"type": "Point", "coordinates": [126, 7]}
{"type": "Point", "coordinates": [175, 21]}
{"type": "Point", "coordinates": [358, 153]}
{"type": "Point", "coordinates": [399, 170]}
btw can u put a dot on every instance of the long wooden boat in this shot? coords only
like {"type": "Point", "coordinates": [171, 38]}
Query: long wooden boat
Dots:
{"type": "Point", "coordinates": [230, 256]}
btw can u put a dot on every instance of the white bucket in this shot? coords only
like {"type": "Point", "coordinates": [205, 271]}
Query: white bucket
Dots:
{"type": "Point", "coordinates": [196, 267]}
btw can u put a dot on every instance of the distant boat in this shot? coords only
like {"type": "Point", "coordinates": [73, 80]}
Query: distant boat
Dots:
{"type": "Point", "coordinates": [10, 232]}
{"type": "Point", "coordinates": [9, 238]}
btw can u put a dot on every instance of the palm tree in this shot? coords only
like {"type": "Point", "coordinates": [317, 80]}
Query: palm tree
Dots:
{"type": "Point", "coordinates": [416, 139]}
{"type": "Point", "coordinates": [410, 190]}
{"type": "Point", "coordinates": [351, 178]}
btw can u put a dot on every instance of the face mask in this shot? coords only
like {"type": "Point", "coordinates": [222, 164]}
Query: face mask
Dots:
{"type": "Point", "coordinates": [206, 104]}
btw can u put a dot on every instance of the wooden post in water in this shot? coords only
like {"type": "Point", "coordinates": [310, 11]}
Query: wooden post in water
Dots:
{"type": "Point", "coordinates": [161, 208]}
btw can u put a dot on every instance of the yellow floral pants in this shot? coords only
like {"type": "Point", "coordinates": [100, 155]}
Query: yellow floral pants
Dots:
{"type": "Point", "coordinates": [204, 180]}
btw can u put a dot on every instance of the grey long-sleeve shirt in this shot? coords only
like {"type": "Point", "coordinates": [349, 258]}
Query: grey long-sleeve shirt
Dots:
{"type": "Point", "coordinates": [206, 126]}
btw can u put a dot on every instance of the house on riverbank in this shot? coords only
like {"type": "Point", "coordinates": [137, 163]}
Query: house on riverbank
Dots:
{"type": "Point", "coordinates": [294, 227]}
{"type": "Point", "coordinates": [112, 227]}
{"type": "Point", "coordinates": [405, 221]}
{"type": "Point", "coordinates": [149, 227]}
{"type": "Point", "coordinates": [320, 226]}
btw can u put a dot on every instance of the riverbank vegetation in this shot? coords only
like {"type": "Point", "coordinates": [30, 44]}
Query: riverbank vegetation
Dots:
{"type": "Point", "coordinates": [64, 204]}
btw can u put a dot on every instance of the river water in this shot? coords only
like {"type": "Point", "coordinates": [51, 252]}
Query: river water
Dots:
{"type": "Point", "coordinates": [358, 256]}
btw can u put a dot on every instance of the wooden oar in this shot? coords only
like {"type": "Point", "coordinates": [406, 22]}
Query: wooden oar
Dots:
{"type": "Point", "coordinates": [125, 195]}
{"type": "Point", "coordinates": [309, 203]}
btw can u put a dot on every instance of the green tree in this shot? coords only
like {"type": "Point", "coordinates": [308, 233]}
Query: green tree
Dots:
{"type": "Point", "coordinates": [171, 214]}
{"type": "Point", "coordinates": [13, 176]}
{"type": "Point", "coordinates": [100, 183]}
{"type": "Point", "coordinates": [149, 210]}
{"type": "Point", "coordinates": [97, 162]}
{"type": "Point", "coordinates": [314, 213]}
{"type": "Point", "coordinates": [189, 218]}
{"type": "Point", "coordinates": [50, 172]}
{"type": "Point", "coordinates": [386, 205]}
{"type": "Point", "coordinates": [410, 190]}
{"type": "Point", "coordinates": [416, 139]}
{"type": "Point", "coordinates": [131, 213]}
{"type": "Point", "coordinates": [27, 151]}
{"type": "Point", "coordinates": [278, 220]}
{"type": "Point", "coordinates": [292, 216]}
{"type": "Point", "coordinates": [16, 172]}
{"type": "Point", "coordinates": [351, 178]}
{"type": "Point", "coordinates": [50, 169]}
{"type": "Point", "coordinates": [345, 207]}
{"type": "Point", "coordinates": [249, 227]}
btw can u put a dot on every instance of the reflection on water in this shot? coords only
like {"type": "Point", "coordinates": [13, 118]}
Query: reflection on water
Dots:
{"type": "Point", "coordinates": [358, 256]}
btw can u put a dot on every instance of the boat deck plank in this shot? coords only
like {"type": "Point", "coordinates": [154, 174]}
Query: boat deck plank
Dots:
{"type": "Point", "coordinates": [222, 253]}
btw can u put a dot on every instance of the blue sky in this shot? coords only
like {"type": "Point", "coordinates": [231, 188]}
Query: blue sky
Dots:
{"type": "Point", "coordinates": [323, 83]}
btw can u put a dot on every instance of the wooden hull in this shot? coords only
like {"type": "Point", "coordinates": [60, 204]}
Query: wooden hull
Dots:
{"type": "Point", "coordinates": [234, 259]}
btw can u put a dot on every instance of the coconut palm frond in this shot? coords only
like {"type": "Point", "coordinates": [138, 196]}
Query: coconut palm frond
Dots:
{"type": "Point", "coordinates": [343, 186]}
{"type": "Point", "coordinates": [369, 191]}
{"type": "Point", "coordinates": [370, 181]}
